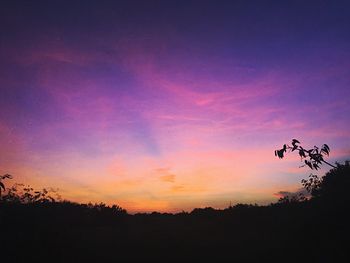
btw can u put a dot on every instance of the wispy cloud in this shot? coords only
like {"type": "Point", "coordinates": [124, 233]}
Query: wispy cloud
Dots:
{"type": "Point", "coordinates": [151, 123]}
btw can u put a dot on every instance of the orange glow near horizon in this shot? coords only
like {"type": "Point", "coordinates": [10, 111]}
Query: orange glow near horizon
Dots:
{"type": "Point", "coordinates": [152, 114]}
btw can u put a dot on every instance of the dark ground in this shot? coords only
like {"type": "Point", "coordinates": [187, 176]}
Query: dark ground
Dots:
{"type": "Point", "coordinates": [64, 232]}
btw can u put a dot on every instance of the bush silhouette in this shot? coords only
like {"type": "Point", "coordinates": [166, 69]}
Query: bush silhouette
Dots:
{"type": "Point", "coordinates": [19, 193]}
{"type": "Point", "coordinates": [334, 185]}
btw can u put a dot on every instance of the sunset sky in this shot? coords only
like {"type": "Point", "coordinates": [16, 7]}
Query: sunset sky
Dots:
{"type": "Point", "coordinates": [171, 105]}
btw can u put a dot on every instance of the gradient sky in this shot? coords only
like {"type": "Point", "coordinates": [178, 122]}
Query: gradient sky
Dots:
{"type": "Point", "coordinates": [171, 105]}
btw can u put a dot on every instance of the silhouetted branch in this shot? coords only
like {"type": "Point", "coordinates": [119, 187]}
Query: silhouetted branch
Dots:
{"type": "Point", "coordinates": [313, 157]}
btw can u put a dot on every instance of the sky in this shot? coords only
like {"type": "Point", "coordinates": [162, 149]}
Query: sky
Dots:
{"type": "Point", "coordinates": [171, 105]}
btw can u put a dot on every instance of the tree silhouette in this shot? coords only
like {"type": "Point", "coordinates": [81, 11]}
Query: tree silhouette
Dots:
{"type": "Point", "coordinates": [334, 185]}
{"type": "Point", "coordinates": [313, 157]}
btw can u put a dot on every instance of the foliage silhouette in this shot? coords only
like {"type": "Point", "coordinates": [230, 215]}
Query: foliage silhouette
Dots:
{"type": "Point", "coordinates": [313, 157]}
{"type": "Point", "coordinates": [2, 185]}
{"type": "Point", "coordinates": [19, 193]}
{"type": "Point", "coordinates": [296, 198]}
{"type": "Point", "coordinates": [312, 184]}
{"type": "Point", "coordinates": [63, 231]}
{"type": "Point", "coordinates": [333, 185]}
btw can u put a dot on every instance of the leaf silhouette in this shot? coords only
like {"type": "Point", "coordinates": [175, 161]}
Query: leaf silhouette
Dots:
{"type": "Point", "coordinates": [325, 149]}
{"type": "Point", "coordinates": [302, 153]}
{"type": "Point", "coordinates": [309, 164]}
